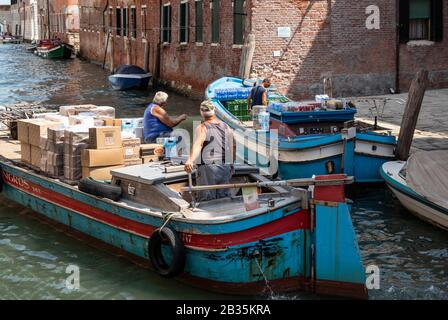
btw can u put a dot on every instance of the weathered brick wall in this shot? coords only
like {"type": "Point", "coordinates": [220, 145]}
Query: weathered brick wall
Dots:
{"type": "Point", "coordinates": [329, 38]}
{"type": "Point", "coordinates": [191, 67]}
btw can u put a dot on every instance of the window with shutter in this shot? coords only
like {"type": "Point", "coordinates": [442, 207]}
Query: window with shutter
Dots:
{"type": "Point", "coordinates": [238, 21]}
{"type": "Point", "coordinates": [421, 20]}
{"type": "Point", "coordinates": [125, 22]}
{"type": "Point", "coordinates": [199, 30]}
{"type": "Point", "coordinates": [215, 21]}
{"type": "Point", "coordinates": [166, 23]}
{"type": "Point", "coordinates": [118, 20]}
{"type": "Point", "coordinates": [134, 22]}
{"type": "Point", "coordinates": [183, 22]}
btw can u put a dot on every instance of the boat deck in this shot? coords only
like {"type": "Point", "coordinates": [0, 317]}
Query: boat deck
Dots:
{"type": "Point", "coordinates": [9, 149]}
{"type": "Point", "coordinates": [227, 209]}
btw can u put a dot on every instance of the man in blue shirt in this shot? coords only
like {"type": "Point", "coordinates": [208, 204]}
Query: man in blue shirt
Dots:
{"type": "Point", "coordinates": [156, 121]}
{"type": "Point", "coordinates": [258, 95]}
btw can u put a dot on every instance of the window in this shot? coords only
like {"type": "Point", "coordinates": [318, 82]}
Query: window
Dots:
{"type": "Point", "coordinates": [166, 23]}
{"type": "Point", "coordinates": [125, 22]}
{"type": "Point", "coordinates": [110, 19]}
{"type": "Point", "coordinates": [144, 13]}
{"type": "Point", "coordinates": [419, 17]}
{"type": "Point", "coordinates": [421, 20]}
{"type": "Point", "coordinates": [215, 21]}
{"type": "Point", "coordinates": [199, 30]}
{"type": "Point", "coordinates": [133, 22]}
{"type": "Point", "coordinates": [238, 21]}
{"type": "Point", "coordinates": [183, 22]}
{"type": "Point", "coordinates": [118, 20]}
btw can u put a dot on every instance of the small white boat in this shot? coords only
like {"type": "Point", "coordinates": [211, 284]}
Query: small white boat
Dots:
{"type": "Point", "coordinates": [421, 185]}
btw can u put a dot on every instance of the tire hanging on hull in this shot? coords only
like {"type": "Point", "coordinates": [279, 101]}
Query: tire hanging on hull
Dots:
{"type": "Point", "coordinates": [169, 237]}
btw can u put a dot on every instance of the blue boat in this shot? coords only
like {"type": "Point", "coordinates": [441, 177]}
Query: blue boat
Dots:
{"type": "Point", "coordinates": [307, 143]}
{"type": "Point", "coordinates": [288, 243]}
{"type": "Point", "coordinates": [128, 77]}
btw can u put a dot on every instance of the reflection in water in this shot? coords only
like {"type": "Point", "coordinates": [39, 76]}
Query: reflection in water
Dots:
{"type": "Point", "coordinates": [412, 255]}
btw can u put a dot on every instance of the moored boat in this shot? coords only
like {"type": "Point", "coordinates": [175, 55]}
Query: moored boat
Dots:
{"type": "Point", "coordinates": [288, 243]}
{"type": "Point", "coordinates": [309, 141]}
{"type": "Point", "coordinates": [128, 77]}
{"type": "Point", "coordinates": [50, 49]}
{"type": "Point", "coordinates": [420, 184]}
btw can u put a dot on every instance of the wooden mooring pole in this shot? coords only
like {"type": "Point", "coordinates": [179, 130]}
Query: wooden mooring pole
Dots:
{"type": "Point", "coordinates": [411, 113]}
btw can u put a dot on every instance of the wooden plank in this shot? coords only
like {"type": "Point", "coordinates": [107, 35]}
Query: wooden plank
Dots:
{"type": "Point", "coordinates": [411, 113]}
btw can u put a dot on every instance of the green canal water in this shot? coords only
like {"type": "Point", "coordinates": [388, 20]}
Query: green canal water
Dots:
{"type": "Point", "coordinates": [412, 256]}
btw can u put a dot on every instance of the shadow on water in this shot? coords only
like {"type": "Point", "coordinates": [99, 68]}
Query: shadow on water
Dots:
{"type": "Point", "coordinates": [412, 255]}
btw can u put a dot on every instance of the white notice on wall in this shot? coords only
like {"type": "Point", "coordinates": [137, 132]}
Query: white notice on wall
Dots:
{"type": "Point", "coordinates": [284, 32]}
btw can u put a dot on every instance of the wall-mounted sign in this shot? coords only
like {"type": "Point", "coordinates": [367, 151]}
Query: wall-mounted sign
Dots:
{"type": "Point", "coordinates": [284, 32]}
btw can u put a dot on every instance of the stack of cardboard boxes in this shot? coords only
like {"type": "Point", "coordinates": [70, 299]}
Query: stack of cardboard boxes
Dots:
{"type": "Point", "coordinates": [131, 151]}
{"type": "Point", "coordinates": [105, 153]}
{"type": "Point", "coordinates": [30, 133]}
{"type": "Point", "coordinates": [76, 139]}
{"type": "Point", "coordinates": [52, 149]}
{"type": "Point", "coordinates": [84, 141]}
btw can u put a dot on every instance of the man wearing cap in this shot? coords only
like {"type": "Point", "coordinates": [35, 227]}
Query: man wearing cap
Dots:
{"type": "Point", "coordinates": [156, 121]}
{"type": "Point", "coordinates": [213, 153]}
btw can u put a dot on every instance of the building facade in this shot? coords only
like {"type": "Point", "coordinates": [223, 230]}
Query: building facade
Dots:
{"type": "Point", "coordinates": [366, 47]}
{"type": "Point", "coordinates": [5, 18]}
{"type": "Point", "coordinates": [59, 19]}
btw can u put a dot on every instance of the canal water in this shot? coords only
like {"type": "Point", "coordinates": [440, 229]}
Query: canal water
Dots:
{"type": "Point", "coordinates": [412, 256]}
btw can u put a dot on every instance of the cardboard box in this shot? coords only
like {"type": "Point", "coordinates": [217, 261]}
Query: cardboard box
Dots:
{"type": "Point", "coordinates": [135, 162]}
{"type": "Point", "coordinates": [25, 150]}
{"type": "Point", "coordinates": [77, 135]}
{"type": "Point", "coordinates": [100, 173]}
{"type": "Point", "coordinates": [101, 158]}
{"type": "Point", "coordinates": [38, 128]}
{"type": "Point", "coordinates": [148, 159]}
{"type": "Point", "coordinates": [105, 137]}
{"type": "Point", "coordinates": [23, 130]}
{"type": "Point", "coordinates": [131, 149]}
{"type": "Point", "coordinates": [36, 156]}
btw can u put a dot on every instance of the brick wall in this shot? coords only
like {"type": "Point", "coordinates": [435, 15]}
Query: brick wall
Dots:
{"type": "Point", "coordinates": [329, 38]}
{"type": "Point", "coordinates": [191, 67]}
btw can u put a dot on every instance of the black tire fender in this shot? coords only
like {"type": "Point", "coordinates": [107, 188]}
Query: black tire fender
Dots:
{"type": "Point", "coordinates": [172, 239]}
{"type": "Point", "coordinates": [100, 189]}
{"type": "Point", "coordinates": [1, 180]}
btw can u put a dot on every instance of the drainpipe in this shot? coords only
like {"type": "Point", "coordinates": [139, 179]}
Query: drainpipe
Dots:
{"type": "Point", "coordinates": [24, 20]}
{"type": "Point", "coordinates": [159, 49]}
{"type": "Point", "coordinates": [397, 46]}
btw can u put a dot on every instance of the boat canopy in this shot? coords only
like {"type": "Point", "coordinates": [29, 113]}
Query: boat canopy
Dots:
{"type": "Point", "coordinates": [427, 174]}
{"type": "Point", "coordinates": [129, 69]}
